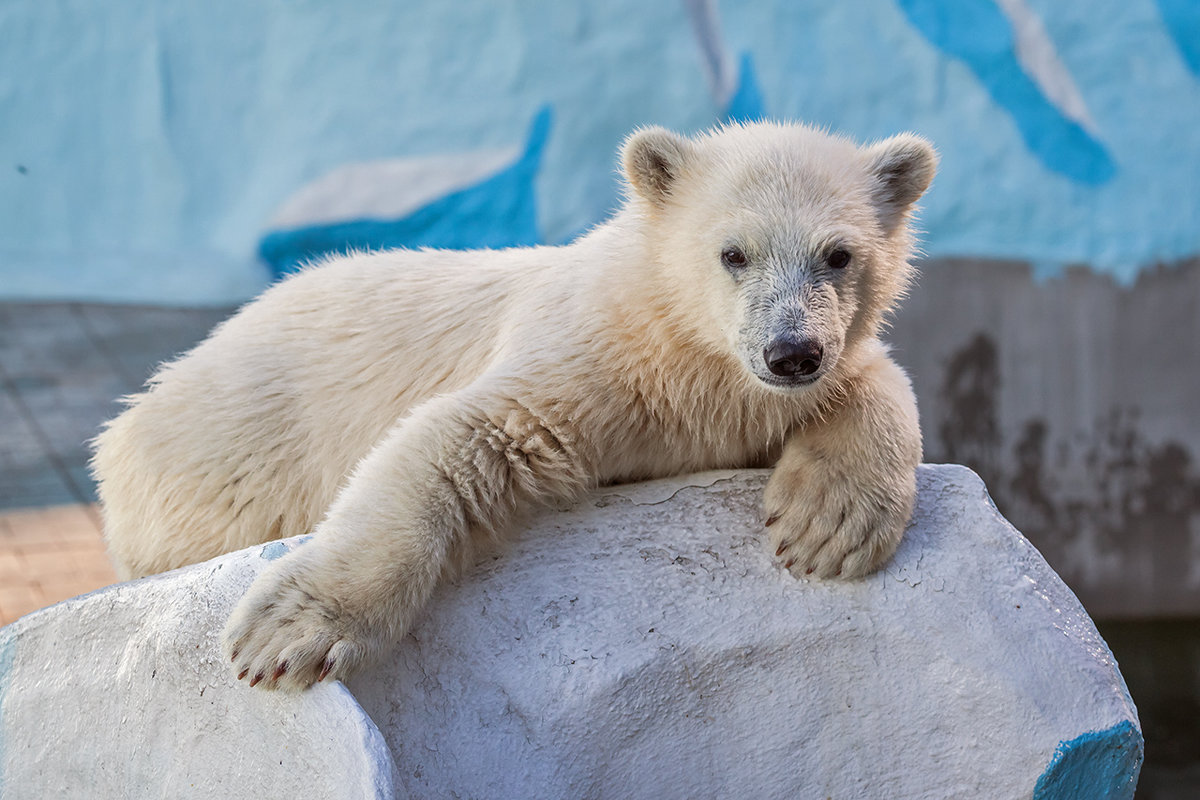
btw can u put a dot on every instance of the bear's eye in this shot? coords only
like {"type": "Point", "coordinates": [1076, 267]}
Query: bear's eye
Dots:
{"type": "Point", "coordinates": [838, 259]}
{"type": "Point", "coordinates": [733, 258]}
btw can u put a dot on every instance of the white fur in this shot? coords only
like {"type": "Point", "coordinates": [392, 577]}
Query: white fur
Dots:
{"type": "Point", "coordinates": [409, 406]}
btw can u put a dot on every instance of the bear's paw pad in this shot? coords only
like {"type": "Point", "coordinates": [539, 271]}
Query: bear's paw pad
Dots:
{"type": "Point", "coordinates": [281, 636]}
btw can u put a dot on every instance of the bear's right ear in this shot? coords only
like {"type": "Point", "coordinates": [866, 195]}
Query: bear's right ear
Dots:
{"type": "Point", "coordinates": [654, 159]}
{"type": "Point", "coordinates": [902, 168]}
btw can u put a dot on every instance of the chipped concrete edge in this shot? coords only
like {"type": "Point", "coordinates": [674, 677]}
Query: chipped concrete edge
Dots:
{"type": "Point", "coordinates": [652, 493]}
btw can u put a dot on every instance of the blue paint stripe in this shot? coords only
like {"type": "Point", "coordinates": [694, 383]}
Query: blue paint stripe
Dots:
{"type": "Point", "coordinates": [1182, 19]}
{"type": "Point", "coordinates": [747, 103]}
{"type": "Point", "coordinates": [1098, 765]}
{"type": "Point", "coordinates": [978, 33]}
{"type": "Point", "coordinates": [500, 211]}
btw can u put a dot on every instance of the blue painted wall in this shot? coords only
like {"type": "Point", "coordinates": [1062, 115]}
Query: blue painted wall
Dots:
{"type": "Point", "coordinates": [146, 143]}
{"type": "Point", "coordinates": [499, 210]}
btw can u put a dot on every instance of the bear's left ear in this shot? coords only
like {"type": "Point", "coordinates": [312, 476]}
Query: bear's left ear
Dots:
{"type": "Point", "coordinates": [653, 159]}
{"type": "Point", "coordinates": [903, 167]}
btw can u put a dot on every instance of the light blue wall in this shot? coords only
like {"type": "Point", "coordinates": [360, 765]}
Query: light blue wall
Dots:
{"type": "Point", "coordinates": [147, 144]}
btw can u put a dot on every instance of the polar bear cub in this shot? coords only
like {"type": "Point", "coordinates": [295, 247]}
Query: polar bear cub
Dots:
{"type": "Point", "coordinates": [407, 407]}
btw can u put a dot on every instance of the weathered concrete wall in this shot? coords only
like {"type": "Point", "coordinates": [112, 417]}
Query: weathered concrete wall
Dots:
{"type": "Point", "coordinates": [1075, 398]}
{"type": "Point", "coordinates": [642, 645]}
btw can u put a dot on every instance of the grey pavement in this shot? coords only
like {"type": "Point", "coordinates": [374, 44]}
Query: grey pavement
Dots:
{"type": "Point", "coordinates": [63, 368]}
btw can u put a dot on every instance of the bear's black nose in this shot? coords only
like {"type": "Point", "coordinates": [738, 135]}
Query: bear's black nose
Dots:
{"type": "Point", "coordinates": [788, 358]}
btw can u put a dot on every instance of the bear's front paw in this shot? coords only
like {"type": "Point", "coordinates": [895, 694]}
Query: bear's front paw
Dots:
{"type": "Point", "coordinates": [284, 635]}
{"type": "Point", "coordinates": [828, 523]}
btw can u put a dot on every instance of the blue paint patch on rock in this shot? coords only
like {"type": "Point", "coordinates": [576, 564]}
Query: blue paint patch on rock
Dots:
{"type": "Point", "coordinates": [500, 211]}
{"type": "Point", "coordinates": [1098, 765]}
{"type": "Point", "coordinates": [274, 550]}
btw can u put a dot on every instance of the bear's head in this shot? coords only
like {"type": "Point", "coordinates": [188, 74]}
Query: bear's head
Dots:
{"type": "Point", "coordinates": [780, 243]}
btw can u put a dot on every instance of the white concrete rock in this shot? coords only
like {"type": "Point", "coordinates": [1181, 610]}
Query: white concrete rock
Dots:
{"type": "Point", "coordinates": [642, 645]}
{"type": "Point", "coordinates": [122, 693]}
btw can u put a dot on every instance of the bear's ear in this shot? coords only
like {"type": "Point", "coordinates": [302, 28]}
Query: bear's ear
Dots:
{"type": "Point", "coordinates": [902, 168]}
{"type": "Point", "coordinates": [653, 159]}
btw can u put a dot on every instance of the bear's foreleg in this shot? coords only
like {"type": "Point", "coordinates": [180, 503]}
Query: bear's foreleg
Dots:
{"type": "Point", "coordinates": [458, 467]}
{"type": "Point", "coordinates": [843, 490]}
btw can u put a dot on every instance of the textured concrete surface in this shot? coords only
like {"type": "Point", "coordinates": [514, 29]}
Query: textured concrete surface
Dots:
{"type": "Point", "coordinates": [123, 694]}
{"type": "Point", "coordinates": [644, 644]}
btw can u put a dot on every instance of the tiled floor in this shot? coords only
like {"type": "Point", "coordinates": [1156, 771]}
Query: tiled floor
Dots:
{"type": "Point", "coordinates": [48, 555]}
{"type": "Point", "coordinates": [62, 368]}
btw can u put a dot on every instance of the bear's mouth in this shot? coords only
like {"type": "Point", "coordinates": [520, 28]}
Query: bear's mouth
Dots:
{"type": "Point", "coordinates": [796, 382]}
